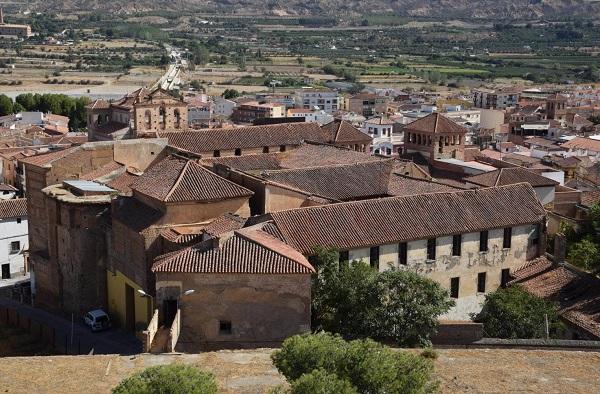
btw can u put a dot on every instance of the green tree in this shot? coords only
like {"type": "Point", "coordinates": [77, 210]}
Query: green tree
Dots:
{"type": "Point", "coordinates": [231, 94]}
{"type": "Point", "coordinates": [369, 366]}
{"type": "Point", "coordinates": [320, 381]}
{"type": "Point", "coordinates": [6, 105]}
{"type": "Point", "coordinates": [514, 313]}
{"type": "Point", "coordinates": [585, 254]}
{"type": "Point", "coordinates": [168, 379]}
{"type": "Point", "coordinates": [357, 301]}
{"type": "Point", "coordinates": [18, 108]}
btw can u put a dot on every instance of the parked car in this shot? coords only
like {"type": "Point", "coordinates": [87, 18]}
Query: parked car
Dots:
{"type": "Point", "coordinates": [97, 319]}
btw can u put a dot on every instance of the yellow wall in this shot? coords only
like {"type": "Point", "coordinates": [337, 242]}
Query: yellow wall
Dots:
{"type": "Point", "coordinates": [116, 299]}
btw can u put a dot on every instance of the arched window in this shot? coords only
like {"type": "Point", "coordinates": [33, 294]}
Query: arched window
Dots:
{"type": "Point", "coordinates": [177, 119]}
{"type": "Point", "coordinates": [148, 120]}
{"type": "Point", "coordinates": [162, 117]}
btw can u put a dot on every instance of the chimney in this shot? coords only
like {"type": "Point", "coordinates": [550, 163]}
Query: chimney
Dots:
{"type": "Point", "coordinates": [560, 248]}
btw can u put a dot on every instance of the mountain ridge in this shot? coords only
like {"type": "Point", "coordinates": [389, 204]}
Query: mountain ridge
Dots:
{"type": "Point", "coordinates": [516, 9]}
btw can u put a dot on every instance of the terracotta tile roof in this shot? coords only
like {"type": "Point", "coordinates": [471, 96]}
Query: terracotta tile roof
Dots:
{"type": "Point", "coordinates": [267, 161]}
{"type": "Point", "coordinates": [176, 179]}
{"type": "Point", "coordinates": [590, 198]}
{"type": "Point", "coordinates": [566, 162]}
{"type": "Point", "coordinates": [510, 176]}
{"type": "Point", "coordinates": [582, 143]}
{"type": "Point", "coordinates": [111, 168]}
{"type": "Point", "coordinates": [128, 100]}
{"type": "Point", "coordinates": [342, 131]}
{"type": "Point", "coordinates": [400, 185]}
{"type": "Point", "coordinates": [208, 140]}
{"type": "Point", "coordinates": [13, 208]}
{"type": "Point", "coordinates": [306, 155]}
{"type": "Point", "coordinates": [389, 220]}
{"type": "Point", "coordinates": [46, 159]}
{"type": "Point", "coordinates": [187, 239]}
{"type": "Point", "coordinates": [576, 293]}
{"type": "Point", "coordinates": [5, 187]}
{"type": "Point", "coordinates": [341, 182]}
{"type": "Point", "coordinates": [224, 223]}
{"type": "Point", "coordinates": [531, 268]}
{"type": "Point", "coordinates": [123, 182]}
{"type": "Point", "coordinates": [434, 123]}
{"type": "Point", "coordinates": [243, 253]}
{"type": "Point", "coordinates": [98, 104]}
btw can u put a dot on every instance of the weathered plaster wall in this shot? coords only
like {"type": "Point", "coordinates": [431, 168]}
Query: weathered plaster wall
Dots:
{"type": "Point", "coordinates": [262, 309]}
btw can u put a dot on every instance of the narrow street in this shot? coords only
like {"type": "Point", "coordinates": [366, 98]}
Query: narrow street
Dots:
{"type": "Point", "coordinates": [113, 341]}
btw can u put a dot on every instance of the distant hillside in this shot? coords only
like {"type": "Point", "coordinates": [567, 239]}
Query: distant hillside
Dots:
{"type": "Point", "coordinates": [434, 8]}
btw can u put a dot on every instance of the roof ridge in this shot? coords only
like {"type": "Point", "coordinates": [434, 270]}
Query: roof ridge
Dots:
{"type": "Point", "coordinates": [335, 165]}
{"type": "Point", "coordinates": [178, 181]}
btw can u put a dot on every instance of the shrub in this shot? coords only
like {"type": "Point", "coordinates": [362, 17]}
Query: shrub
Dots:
{"type": "Point", "coordinates": [320, 381]}
{"type": "Point", "coordinates": [168, 379]}
{"type": "Point", "coordinates": [301, 354]}
{"type": "Point", "coordinates": [514, 313]}
{"type": "Point", "coordinates": [369, 366]}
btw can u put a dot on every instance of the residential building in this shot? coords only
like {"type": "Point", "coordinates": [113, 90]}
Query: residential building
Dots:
{"type": "Point", "coordinates": [250, 111]}
{"type": "Point", "coordinates": [13, 30]}
{"type": "Point", "coordinates": [48, 123]}
{"type": "Point", "coordinates": [581, 147]}
{"type": "Point", "coordinates": [545, 188]}
{"type": "Point", "coordinates": [319, 116]}
{"type": "Point", "coordinates": [381, 129]}
{"type": "Point", "coordinates": [342, 134]}
{"type": "Point", "coordinates": [14, 240]}
{"type": "Point", "coordinates": [325, 99]}
{"type": "Point", "coordinates": [224, 107]}
{"type": "Point", "coordinates": [472, 241]}
{"type": "Point", "coordinates": [200, 113]}
{"type": "Point", "coordinates": [495, 99]}
{"type": "Point", "coordinates": [367, 104]}
{"type": "Point", "coordinates": [239, 141]}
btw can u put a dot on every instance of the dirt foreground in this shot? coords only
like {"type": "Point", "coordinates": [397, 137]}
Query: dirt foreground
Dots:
{"type": "Point", "coordinates": [251, 371]}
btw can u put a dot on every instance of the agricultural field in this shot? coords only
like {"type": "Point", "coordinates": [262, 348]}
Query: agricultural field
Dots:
{"type": "Point", "coordinates": [248, 52]}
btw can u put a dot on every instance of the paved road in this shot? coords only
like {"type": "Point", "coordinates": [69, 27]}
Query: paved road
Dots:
{"type": "Point", "coordinates": [113, 341]}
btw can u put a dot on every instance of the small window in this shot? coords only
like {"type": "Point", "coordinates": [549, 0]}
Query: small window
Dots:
{"type": "Point", "coordinates": [481, 282]}
{"type": "Point", "coordinates": [282, 148]}
{"type": "Point", "coordinates": [505, 277]}
{"type": "Point", "coordinates": [456, 244]}
{"type": "Point", "coordinates": [374, 257]}
{"type": "Point", "coordinates": [402, 253]}
{"type": "Point", "coordinates": [238, 152]}
{"type": "Point", "coordinates": [217, 153]}
{"type": "Point", "coordinates": [344, 258]}
{"type": "Point", "coordinates": [431, 249]}
{"type": "Point", "coordinates": [454, 287]}
{"type": "Point", "coordinates": [266, 149]}
{"type": "Point", "coordinates": [18, 220]}
{"type": "Point", "coordinates": [483, 241]}
{"type": "Point", "coordinates": [535, 238]}
{"type": "Point", "coordinates": [507, 240]}
{"type": "Point", "coordinates": [15, 247]}
{"type": "Point", "coordinates": [224, 327]}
